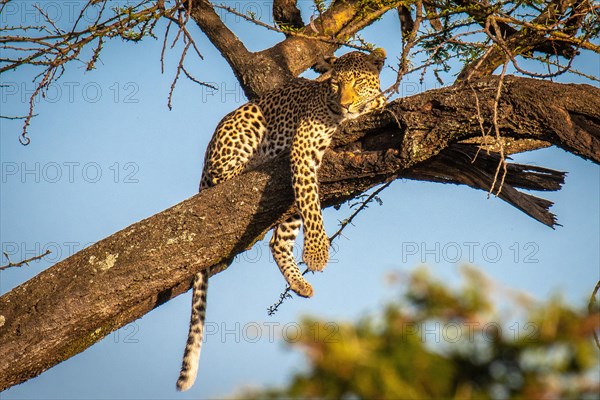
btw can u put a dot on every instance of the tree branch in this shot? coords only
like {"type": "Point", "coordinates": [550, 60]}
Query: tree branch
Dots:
{"type": "Point", "coordinates": [286, 14]}
{"type": "Point", "coordinates": [480, 10]}
{"type": "Point", "coordinates": [111, 283]}
{"type": "Point", "coordinates": [23, 262]}
{"type": "Point", "coordinates": [265, 70]}
{"type": "Point", "coordinates": [242, 61]}
{"type": "Point", "coordinates": [510, 42]}
{"type": "Point", "coordinates": [461, 164]}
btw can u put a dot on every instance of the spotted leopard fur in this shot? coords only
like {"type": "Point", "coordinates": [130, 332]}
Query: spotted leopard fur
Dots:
{"type": "Point", "coordinates": [300, 117]}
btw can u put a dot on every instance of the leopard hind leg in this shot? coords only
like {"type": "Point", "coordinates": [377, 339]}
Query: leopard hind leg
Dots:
{"type": "Point", "coordinates": [282, 245]}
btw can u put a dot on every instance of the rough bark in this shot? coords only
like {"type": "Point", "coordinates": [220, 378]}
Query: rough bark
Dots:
{"type": "Point", "coordinates": [265, 70]}
{"type": "Point", "coordinates": [119, 279]}
{"type": "Point", "coordinates": [287, 14]}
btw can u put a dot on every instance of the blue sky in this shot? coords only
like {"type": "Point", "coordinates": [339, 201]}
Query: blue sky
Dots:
{"type": "Point", "coordinates": [106, 152]}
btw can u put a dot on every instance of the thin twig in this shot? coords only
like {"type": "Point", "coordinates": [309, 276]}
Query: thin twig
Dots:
{"type": "Point", "coordinates": [17, 117]}
{"type": "Point", "coordinates": [569, 69]}
{"type": "Point", "coordinates": [164, 48]}
{"type": "Point", "coordinates": [502, 162]}
{"type": "Point", "coordinates": [57, 48]}
{"type": "Point", "coordinates": [190, 77]}
{"type": "Point", "coordinates": [484, 134]}
{"type": "Point", "coordinates": [411, 41]}
{"type": "Point", "coordinates": [364, 204]}
{"type": "Point", "coordinates": [24, 262]}
{"type": "Point", "coordinates": [282, 297]}
{"type": "Point", "coordinates": [179, 68]}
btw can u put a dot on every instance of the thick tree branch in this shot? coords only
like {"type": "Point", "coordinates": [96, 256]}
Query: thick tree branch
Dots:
{"type": "Point", "coordinates": [105, 286]}
{"type": "Point", "coordinates": [244, 63]}
{"type": "Point", "coordinates": [265, 70]}
{"type": "Point", "coordinates": [340, 22]}
{"type": "Point", "coordinates": [407, 22]}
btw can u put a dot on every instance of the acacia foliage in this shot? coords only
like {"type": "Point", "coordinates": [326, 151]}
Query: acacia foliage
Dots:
{"type": "Point", "coordinates": [437, 341]}
{"type": "Point", "coordinates": [482, 35]}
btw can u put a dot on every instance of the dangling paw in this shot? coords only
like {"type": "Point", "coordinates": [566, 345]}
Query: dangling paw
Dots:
{"type": "Point", "coordinates": [316, 252]}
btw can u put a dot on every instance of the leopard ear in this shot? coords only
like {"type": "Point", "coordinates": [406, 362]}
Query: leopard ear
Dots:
{"type": "Point", "coordinates": [378, 58]}
{"type": "Point", "coordinates": [330, 59]}
{"type": "Point", "coordinates": [325, 64]}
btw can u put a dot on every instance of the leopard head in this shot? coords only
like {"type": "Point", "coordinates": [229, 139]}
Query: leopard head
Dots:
{"type": "Point", "coordinates": [354, 82]}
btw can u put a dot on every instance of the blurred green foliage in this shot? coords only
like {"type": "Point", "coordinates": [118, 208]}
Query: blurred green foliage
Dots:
{"type": "Point", "coordinates": [479, 341]}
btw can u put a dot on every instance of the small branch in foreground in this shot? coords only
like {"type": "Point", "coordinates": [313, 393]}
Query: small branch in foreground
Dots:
{"type": "Point", "coordinates": [191, 78]}
{"type": "Point", "coordinates": [409, 40]}
{"type": "Point", "coordinates": [282, 297]}
{"type": "Point", "coordinates": [24, 262]}
{"type": "Point", "coordinates": [364, 204]}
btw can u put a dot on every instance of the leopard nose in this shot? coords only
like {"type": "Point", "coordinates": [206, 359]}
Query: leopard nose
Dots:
{"type": "Point", "coordinates": [347, 96]}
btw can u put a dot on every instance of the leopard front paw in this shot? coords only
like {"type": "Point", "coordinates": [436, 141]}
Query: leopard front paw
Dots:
{"type": "Point", "coordinates": [316, 253]}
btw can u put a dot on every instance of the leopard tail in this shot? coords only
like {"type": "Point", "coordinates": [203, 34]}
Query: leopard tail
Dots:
{"type": "Point", "coordinates": [191, 355]}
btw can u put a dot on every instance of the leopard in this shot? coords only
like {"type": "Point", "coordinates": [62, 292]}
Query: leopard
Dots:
{"type": "Point", "coordinates": [299, 117]}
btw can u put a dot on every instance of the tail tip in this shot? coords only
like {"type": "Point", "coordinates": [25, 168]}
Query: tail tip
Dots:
{"type": "Point", "coordinates": [184, 383]}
